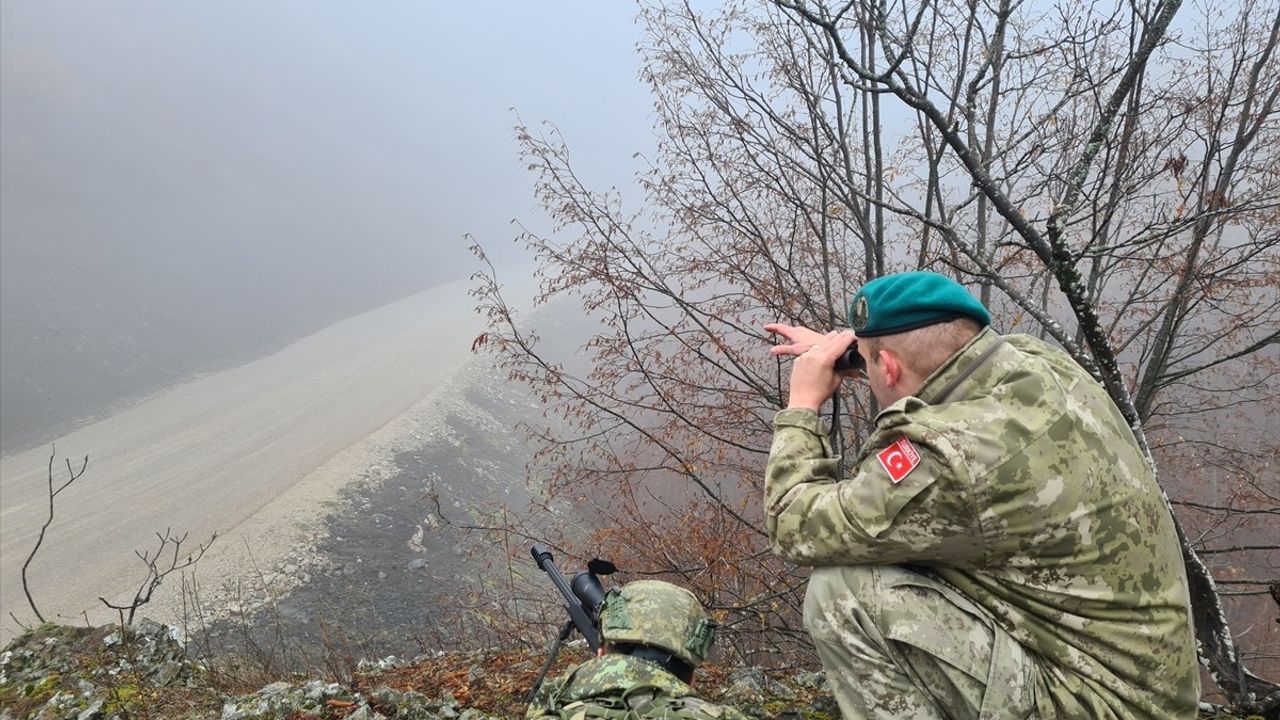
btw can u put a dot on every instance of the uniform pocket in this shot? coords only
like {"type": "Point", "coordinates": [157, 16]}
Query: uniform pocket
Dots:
{"type": "Point", "coordinates": [954, 642]}
{"type": "Point", "coordinates": [939, 621]}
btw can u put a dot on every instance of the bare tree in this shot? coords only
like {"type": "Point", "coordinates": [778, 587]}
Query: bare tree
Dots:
{"type": "Point", "coordinates": [166, 560]}
{"type": "Point", "coordinates": [168, 551]}
{"type": "Point", "coordinates": [1104, 180]}
{"type": "Point", "coordinates": [72, 476]}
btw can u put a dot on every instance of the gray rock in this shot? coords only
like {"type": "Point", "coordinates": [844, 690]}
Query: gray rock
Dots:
{"type": "Point", "coordinates": [825, 704]}
{"type": "Point", "coordinates": [418, 564]}
{"type": "Point", "coordinates": [746, 687]}
{"type": "Point", "coordinates": [416, 706]}
{"type": "Point", "coordinates": [62, 705]}
{"type": "Point", "coordinates": [320, 690]}
{"type": "Point", "coordinates": [389, 662]}
{"type": "Point", "coordinates": [167, 673]}
{"type": "Point", "coordinates": [144, 628]}
{"type": "Point", "coordinates": [93, 711]}
{"type": "Point", "coordinates": [777, 690]}
{"type": "Point", "coordinates": [275, 689]}
{"type": "Point", "coordinates": [444, 712]}
{"type": "Point", "coordinates": [750, 686]}
{"type": "Point", "coordinates": [812, 680]}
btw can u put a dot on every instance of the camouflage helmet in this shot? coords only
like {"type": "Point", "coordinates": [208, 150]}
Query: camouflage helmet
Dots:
{"type": "Point", "coordinates": [661, 615]}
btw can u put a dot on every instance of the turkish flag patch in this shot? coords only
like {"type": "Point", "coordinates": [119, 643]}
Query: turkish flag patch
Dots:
{"type": "Point", "coordinates": [899, 459]}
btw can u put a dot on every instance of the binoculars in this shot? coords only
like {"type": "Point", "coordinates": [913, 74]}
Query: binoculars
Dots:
{"type": "Point", "coordinates": [851, 360]}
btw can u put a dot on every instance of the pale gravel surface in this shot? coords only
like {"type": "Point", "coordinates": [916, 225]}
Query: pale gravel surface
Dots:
{"type": "Point", "coordinates": [255, 453]}
{"type": "Point", "coordinates": [383, 571]}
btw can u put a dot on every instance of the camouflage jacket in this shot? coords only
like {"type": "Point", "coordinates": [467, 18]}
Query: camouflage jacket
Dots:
{"type": "Point", "coordinates": [620, 686]}
{"type": "Point", "coordinates": [1025, 489]}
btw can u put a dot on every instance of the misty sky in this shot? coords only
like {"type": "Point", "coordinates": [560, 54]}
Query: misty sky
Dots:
{"type": "Point", "coordinates": [185, 183]}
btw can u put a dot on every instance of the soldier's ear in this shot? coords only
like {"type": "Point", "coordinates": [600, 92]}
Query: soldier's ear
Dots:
{"type": "Point", "coordinates": [889, 366]}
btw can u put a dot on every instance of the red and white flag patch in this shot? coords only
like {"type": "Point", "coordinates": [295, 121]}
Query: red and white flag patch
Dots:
{"type": "Point", "coordinates": [899, 459]}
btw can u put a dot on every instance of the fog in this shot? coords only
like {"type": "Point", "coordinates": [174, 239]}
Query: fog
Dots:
{"type": "Point", "coordinates": [187, 186]}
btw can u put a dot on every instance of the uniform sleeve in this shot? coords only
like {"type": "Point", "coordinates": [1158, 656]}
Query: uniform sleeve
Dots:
{"type": "Point", "coordinates": [540, 707]}
{"type": "Point", "coordinates": [816, 518]}
{"type": "Point", "coordinates": [536, 709]}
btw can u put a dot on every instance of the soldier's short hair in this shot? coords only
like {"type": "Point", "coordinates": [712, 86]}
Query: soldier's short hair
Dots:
{"type": "Point", "coordinates": [925, 349]}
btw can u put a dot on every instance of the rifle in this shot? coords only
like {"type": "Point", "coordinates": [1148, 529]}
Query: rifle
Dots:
{"type": "Point", "coordinates": [583, 598]}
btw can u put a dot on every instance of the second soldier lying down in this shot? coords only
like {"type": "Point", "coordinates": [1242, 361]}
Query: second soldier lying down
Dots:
{"type": "Point", "coordinates": [656, 634]}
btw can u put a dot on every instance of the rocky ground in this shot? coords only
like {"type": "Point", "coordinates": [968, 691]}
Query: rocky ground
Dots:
{"type": "Point", "coordinates": [144, 672]}
{"type": "Point", "coordinates": [60, 672]}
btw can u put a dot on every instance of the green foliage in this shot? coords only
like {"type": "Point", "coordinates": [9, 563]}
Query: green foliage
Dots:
{"type": "Point", "coordinates": [124, 698]}
{"type": "Point", "coordinates": [41, 690]}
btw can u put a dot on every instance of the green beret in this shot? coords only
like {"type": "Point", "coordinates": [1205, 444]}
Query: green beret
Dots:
{"type": "Point", "coordinates": [906, 301]}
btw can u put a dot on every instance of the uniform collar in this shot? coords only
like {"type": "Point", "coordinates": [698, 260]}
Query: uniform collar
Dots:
{"type": "Point", "coordinates": [969, 365]}
{"type": "Point", "coordinates": [615, 672]}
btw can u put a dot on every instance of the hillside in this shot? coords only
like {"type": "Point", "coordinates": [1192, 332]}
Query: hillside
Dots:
{"type": "Point", "coordinates": [143, 672]}
{"type": "Point", "coordinates": [254, 453]}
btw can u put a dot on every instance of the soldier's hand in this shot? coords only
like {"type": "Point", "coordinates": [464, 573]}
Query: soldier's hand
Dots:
{"type": "Point", "coordinates": [813, 375]}
{"type": "Point", "coordinates": [799, 339]}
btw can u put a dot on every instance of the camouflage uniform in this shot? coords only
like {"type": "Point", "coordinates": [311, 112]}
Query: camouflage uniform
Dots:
{"type": "Point", "coordinates": [658, 616]}
{"type": "Point", "coordinates": [1026, 564]}
{"type": "Point", "coordinates": [621, 686]}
